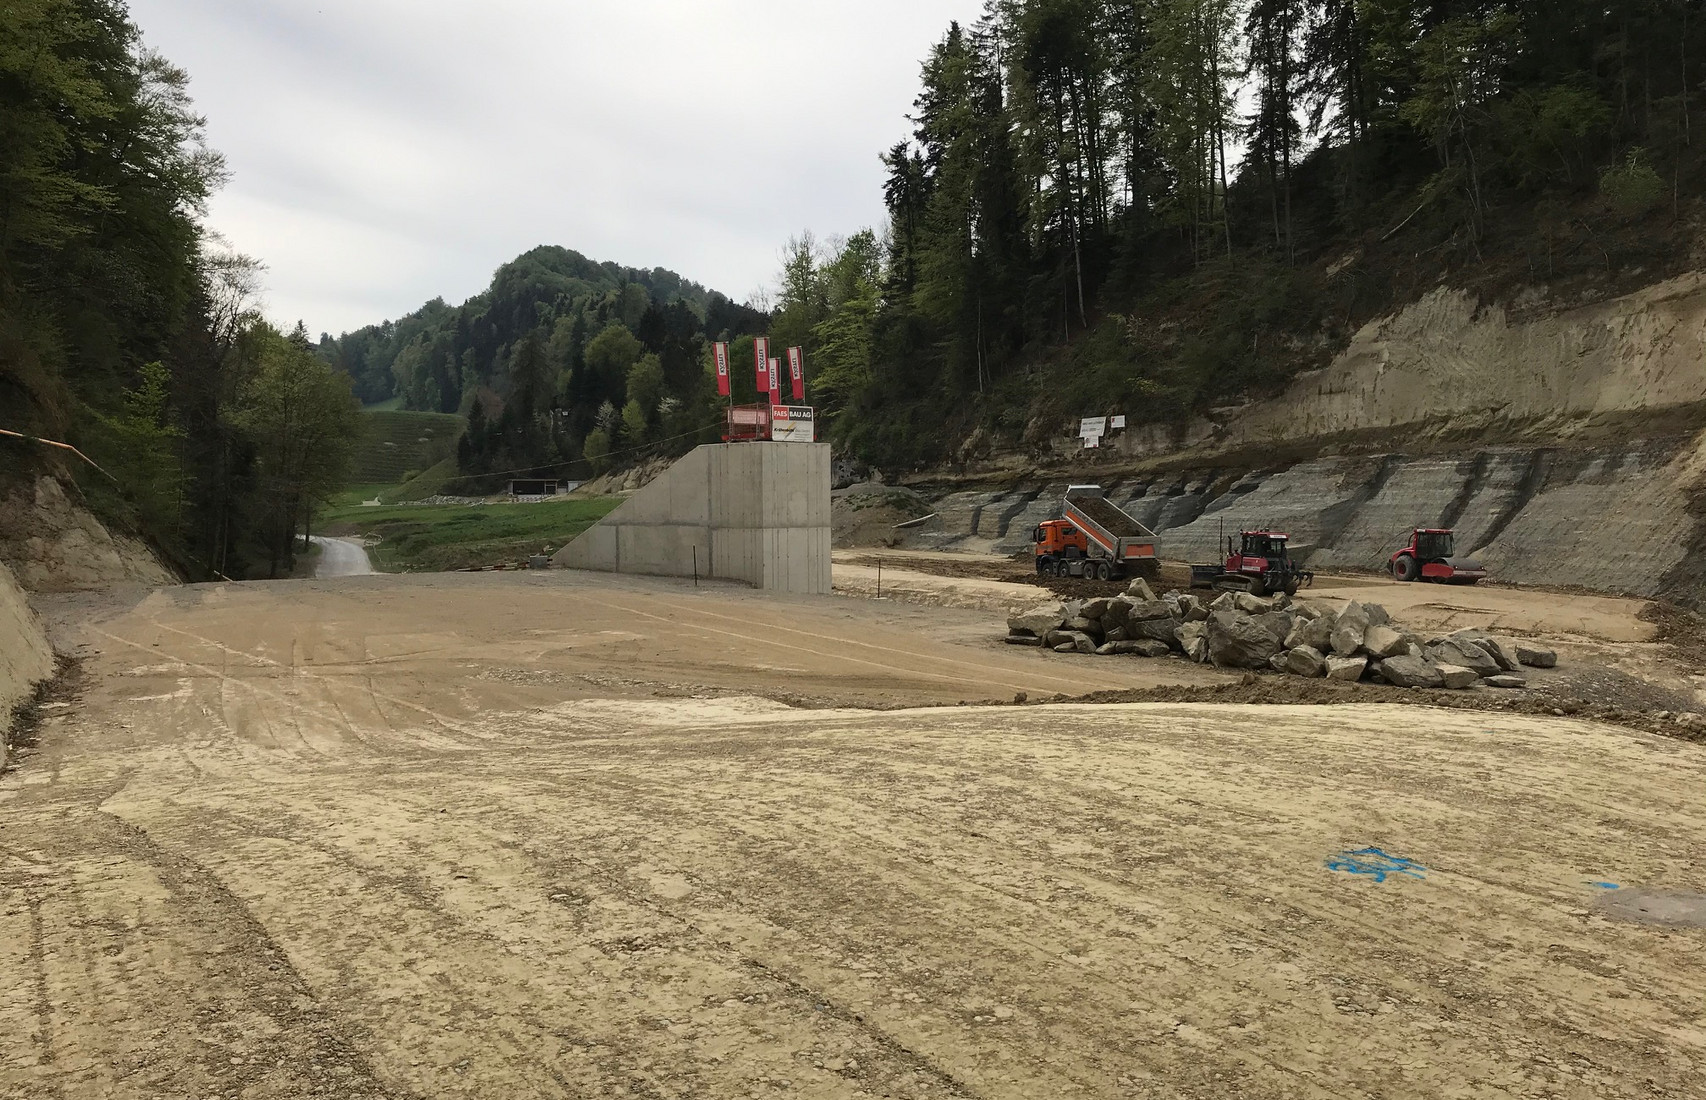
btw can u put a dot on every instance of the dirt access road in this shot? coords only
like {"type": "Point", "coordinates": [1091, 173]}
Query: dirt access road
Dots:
{"type": "Point", "coordinates": [517, 835]}
{"type": "Point", "coordinates": [341, 558]}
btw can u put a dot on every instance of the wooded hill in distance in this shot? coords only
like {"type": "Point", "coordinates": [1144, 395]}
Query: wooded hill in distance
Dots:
{"type": "Point", "coordinates": [560, 357]}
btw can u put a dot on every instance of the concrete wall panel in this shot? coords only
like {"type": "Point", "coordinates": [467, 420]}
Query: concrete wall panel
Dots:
{"type": "Point", "coordinates": [663, 550]}
{"type": "Point", "coordinates": [736, 555]}
{"type": "Point", "coordinates": [595, 549]}
{"type": "Point", "coordinates": [756, 512]}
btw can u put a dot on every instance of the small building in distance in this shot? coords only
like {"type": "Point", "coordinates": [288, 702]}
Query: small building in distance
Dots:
{"type": "Point", "coordinates": [534, 488]}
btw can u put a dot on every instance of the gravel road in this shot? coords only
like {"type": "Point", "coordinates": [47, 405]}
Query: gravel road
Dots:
{"type": "Point", "coordinates": [341, 558]}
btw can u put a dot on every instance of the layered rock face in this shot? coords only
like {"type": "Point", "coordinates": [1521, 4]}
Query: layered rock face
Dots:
{"type": "Point", "coordinates": [1615, 519]}
{"type": "Point", "coordinates": [1563, 443]}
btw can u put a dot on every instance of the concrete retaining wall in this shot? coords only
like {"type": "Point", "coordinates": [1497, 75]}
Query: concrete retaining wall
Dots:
{"type": "Point", "coordinates": [752, 512]}
{"type": "Point", "coordinates": [25, 656]}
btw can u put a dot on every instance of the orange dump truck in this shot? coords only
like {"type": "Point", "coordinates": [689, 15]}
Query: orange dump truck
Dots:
{"type": "Point", "coordinates": [1095, 539]}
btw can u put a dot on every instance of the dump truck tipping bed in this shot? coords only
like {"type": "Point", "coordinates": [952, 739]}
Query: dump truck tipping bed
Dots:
{"type": "Point", "coordinates": [1116, 533]}
{"type": "Point", "coordinates": [1110, 518]}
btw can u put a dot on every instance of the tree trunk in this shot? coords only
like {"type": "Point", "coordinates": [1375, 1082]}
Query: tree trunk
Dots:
{"type": "Point", "coordinates": [1286, 33]}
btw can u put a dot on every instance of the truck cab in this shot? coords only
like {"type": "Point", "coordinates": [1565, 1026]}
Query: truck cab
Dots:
{"type": "Point", "coordinates": [1059, 546]}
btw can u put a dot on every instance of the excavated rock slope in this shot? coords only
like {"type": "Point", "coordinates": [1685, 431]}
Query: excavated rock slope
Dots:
{"type": "Point", "coordinates": [25, 656]}
{"type": "Point", "coordinates": [53, 543]}
{"type": "Point", "coordinates": [1563, 444]}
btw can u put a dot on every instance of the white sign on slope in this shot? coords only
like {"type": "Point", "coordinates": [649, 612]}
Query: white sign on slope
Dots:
{"type": "Point", "coordinates": [1093, 425]}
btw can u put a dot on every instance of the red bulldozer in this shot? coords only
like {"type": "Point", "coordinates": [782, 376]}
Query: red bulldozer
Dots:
{"type": "Point", "coordinates": [1260, 564]}
{"type": "Point", "coordinates": [1431, 556]}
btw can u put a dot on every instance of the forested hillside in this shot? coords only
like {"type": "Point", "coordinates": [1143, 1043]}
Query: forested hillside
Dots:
{"type": "Point", "coordinates": [124, 329]}
{"type": "Point", "coordinates": [1156, 206]}
{"type": "Point", "coordinates": [560, 358]}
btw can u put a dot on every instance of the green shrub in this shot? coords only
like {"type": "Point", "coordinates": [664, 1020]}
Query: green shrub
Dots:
{"type": "Point", "coordinates": [1632, 188]}
{"type": "Point", "coordinates": [597, 450]}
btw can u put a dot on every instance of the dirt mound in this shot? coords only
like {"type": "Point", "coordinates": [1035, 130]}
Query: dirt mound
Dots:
{"type": "Point", "coordinates": [868, 515]}
{"type": "Point", "coordinates": [628, 480]}
{"type": "Point", "coordinates": [1595, 693]}
{"type": "Point", "coordinates": [1172, 576]}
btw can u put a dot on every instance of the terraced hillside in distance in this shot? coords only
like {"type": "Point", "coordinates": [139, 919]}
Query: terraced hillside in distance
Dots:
{"type": "Point", "coordinates": [394, 444]}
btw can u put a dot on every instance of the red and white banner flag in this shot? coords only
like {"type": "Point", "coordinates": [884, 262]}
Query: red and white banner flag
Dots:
{"type": "Point", "coordinates": [775, 381]}
{"type": "Point", "coordinates": [761, 360]}
{"type": "Point", "coordinates": [797, 370]}
{"type": "Point", "coordinates": [722, 351]}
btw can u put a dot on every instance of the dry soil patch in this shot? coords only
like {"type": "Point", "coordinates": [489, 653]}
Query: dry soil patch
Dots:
{"type": "Point", "coordinates": [496, 835]}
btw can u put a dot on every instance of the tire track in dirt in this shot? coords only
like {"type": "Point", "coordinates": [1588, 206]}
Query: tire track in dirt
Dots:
{"type": "Point", "coordinates": [1376, 934]}
{"type": "Point", "coordinates": [1031, 680]}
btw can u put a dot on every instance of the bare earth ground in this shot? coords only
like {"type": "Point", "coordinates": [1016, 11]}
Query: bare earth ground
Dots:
{"type": "Point", "coordinates": [1614, 660]}
{"type": "Point", "coordinates": [1422, 606]}
{"type": "Point", "coordinates": [516, 835]}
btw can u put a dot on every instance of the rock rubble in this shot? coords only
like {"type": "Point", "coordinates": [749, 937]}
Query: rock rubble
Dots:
{"type": "Point", "coordinates": [1237, 630]}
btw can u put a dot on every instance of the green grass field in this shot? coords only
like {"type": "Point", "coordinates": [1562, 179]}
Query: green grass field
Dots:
{"type": "Point", "coordinates": [396, 443]}
{"type": "Point", "coordinates": [424, 539]}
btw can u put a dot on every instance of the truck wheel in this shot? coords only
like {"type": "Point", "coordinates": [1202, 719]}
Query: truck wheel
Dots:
{"type": "Point", "coordinates": [1291, 589]}
{"type": "Point", "coordinates": [1104, 571]}
{"type": "Point", "coordinates": [1406, 569]}
{"type": "Point", "coordinates": [1258, 587]}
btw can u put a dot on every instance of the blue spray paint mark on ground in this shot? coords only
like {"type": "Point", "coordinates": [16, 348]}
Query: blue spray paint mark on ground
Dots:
{"type": "Point", "coordinates": [1605, 885]}
{"type": "Point", "coordinates": [1374, 862]}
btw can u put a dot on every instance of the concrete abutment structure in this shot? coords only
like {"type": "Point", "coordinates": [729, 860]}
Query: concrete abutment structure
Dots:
{"type": "Point", "coordinates": [752, 512]}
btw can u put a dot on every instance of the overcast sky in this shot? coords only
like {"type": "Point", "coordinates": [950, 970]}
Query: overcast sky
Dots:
{"type": "Point", "coordinates": [384, 152]}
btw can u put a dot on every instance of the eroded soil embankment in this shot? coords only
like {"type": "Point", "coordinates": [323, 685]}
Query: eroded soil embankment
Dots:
{"type": "Point", "coordinates": [26, 658]}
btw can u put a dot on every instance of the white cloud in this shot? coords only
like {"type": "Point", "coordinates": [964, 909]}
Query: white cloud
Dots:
{"type": "Point", "coordinates": [388, 151]}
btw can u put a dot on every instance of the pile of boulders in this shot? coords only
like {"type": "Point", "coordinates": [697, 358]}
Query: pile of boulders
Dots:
{"type": "Point", "coordinates": [1238, 630]}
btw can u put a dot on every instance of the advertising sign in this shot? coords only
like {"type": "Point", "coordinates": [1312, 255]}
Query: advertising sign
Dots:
{"type": "Point", "coordinates": [797, 370]}
{"type": "Point", "coordinates": [722, 351]}
{"type": "Point", "coordinates": [793, 424]}
{"type": "Point", "coordinates": [775, 381]}
{"type": "Point", "coordinates": [761, 360]}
